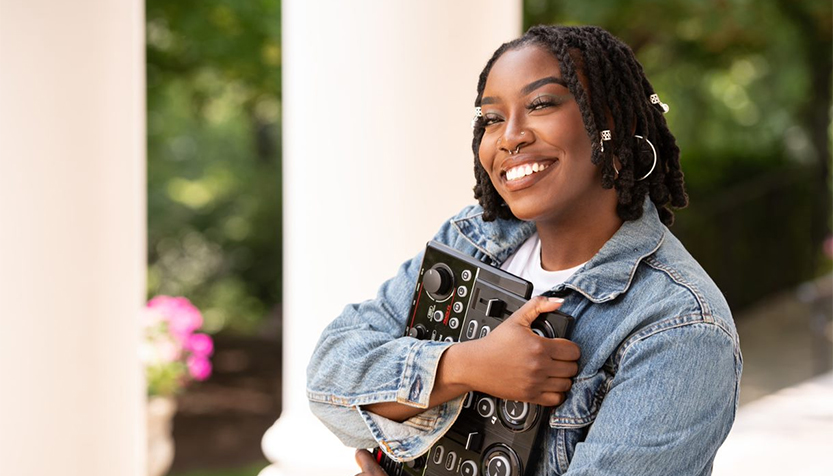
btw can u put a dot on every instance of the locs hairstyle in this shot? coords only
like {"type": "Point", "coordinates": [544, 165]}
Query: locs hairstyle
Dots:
{"type": "Point", "coordinates": [616, 89]}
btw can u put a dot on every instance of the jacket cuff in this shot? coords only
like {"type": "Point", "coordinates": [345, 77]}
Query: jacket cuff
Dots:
{"type": "Point", "coordinates": [415, 436]}
{"type": "Point", "coordinates": [420, 371]}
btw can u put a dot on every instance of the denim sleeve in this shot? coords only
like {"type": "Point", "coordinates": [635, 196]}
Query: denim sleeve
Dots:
{"type": "Point", "coordinates": [669, 407]}
{"type": "Point", "coordinates": [362, 358]}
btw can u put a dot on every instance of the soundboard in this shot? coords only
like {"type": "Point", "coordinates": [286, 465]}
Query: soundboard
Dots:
{"type": "Point", "coordinates": [457, 298]}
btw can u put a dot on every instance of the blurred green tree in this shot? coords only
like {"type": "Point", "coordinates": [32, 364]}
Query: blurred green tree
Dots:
{"type": "Point", "coordinates": [214, 182]}
{"type": "Point", "coordinates": [749, 89]}
{"type": "Point", "coordinates": [749, 85]}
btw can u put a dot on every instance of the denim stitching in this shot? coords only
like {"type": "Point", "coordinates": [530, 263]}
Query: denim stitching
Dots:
{"type": "Point", "coordinates": [657, 329]}
{"type": "Point", "coordinates": [460, 231]}
{"type": "Point", "coordinates": [561, 447]}
{"type": "Point", "coordinates": [400, 451]}
{"type": "Point", "coordinates": [690, 287]}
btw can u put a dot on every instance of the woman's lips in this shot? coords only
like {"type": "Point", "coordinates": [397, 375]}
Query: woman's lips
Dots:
{"type": "Point", "coordinates": [529, 180]}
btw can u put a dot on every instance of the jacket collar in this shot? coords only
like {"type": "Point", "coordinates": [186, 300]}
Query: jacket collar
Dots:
{"type": "Point", "coordinates": [607, 275]}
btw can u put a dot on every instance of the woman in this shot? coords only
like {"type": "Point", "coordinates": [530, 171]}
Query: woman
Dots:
{"type": "Point", "coordinates": [575, 170]}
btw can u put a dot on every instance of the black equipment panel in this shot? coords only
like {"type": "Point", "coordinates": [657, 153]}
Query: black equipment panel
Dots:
{"type": "Point", "coordinates": [458, 298]}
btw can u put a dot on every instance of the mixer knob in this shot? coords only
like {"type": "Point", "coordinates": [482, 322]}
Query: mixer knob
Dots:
{"type": "Point", "coordinates": [438, 281]}
{"type": "Point", "coordinates": [418, 332]}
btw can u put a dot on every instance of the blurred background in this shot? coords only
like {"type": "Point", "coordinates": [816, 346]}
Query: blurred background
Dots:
{"type": "Point", "coordinates": [749, 85]}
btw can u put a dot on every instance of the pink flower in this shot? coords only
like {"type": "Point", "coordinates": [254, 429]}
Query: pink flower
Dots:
{"type": "Point", "coordinates": [200, 344]}
{"type": "Point", "coordinates": [168, 351]}
{"type": "Point", "coordinates": [182, 316]}
{"type": "Point", "coordinates": [199, 367]}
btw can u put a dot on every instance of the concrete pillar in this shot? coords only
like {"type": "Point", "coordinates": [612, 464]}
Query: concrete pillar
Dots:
{"type": "Point", "coordinates": [72, 237]}
{"type": "Point", "coordinates": [378, 98]}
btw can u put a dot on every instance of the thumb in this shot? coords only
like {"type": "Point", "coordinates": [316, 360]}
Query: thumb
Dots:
{"type": "Point", "coordinates": [530, 311]}
{"type": "Point", "coordinates": [368, 463]}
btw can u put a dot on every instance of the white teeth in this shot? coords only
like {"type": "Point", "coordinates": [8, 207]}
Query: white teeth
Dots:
{"type": "Point", "coordinates": [524, 170]}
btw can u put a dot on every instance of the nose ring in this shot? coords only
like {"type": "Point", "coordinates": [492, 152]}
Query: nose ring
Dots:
{"type": "Point", "coordinates": [517, 149]}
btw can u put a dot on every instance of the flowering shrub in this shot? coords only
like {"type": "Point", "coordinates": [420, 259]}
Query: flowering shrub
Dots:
{"type": "Point", "coordinates": [172, 353]}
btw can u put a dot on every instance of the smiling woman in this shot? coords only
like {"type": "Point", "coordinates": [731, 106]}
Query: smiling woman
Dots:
{"type": "Point", "coordinates": [530, 121]}
{"type": "Point", "coordinates": [576, 170]}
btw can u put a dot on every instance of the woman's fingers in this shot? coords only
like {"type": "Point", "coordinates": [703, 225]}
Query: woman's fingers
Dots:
{"type": "Point", "coordinates": [550, 399]}
{"type": "Point", "coordinates": [563, 349]}
{"type": "Point", "coordinates": [557, 384]}
{"type": "Point", "coordinates": [561, 369]}
{"type": "Point", "coordinates": [368, 464]}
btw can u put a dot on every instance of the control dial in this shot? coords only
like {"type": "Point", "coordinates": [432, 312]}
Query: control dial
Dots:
{"type": "Point", "coordinates": [438, 281]}
{"type": "Point", "coordinates": [517, 416]}
{"type": "Point", "coordinates": [418, 332]}
{"type": "Point", "coordinates": [543, 328]}
{"type": "Point", "coordinates": [500, 460]}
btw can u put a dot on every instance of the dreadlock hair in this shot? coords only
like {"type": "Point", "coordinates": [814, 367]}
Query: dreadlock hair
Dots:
{"type": "Point", "coordinates": [617, 89]}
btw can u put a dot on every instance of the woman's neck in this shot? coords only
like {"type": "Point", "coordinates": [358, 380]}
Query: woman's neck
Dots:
{"type": "Point", "coordinates": [570, 241]}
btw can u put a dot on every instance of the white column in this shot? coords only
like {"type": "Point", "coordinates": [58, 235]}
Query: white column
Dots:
{"type": "Point", "coordinates": [378, 98]}
{"type": "Point", "coordinates": [72, 237]}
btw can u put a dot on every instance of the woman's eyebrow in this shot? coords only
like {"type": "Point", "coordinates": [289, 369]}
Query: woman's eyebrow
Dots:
{"type": "Point", "coordinates": [538, 83]}
{"type": "Point", "coordinates": [528, 88]}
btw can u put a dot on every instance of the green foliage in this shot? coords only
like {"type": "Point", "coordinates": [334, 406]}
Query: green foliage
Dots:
{"type": "Point", "coordinates": [750, 94]}
{"type": "Point", "coordinates": [214, 185]}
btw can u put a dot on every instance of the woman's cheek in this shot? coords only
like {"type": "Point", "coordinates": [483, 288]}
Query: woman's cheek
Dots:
{"type": "Point", "coordinates": [486, 158]}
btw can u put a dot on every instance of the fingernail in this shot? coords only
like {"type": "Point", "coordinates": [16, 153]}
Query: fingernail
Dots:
{"type": "Point", "coordinates": [554, 299]}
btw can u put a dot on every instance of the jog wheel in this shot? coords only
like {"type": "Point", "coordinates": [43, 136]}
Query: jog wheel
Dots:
{"type": "Point", "coordinates": [543, 328]}
{"type": "Point", "coordinates": [517, 416]}
{"type": "Point", "coordinates": [501, 460]}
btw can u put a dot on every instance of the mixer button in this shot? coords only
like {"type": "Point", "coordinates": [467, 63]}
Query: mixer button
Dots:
{"type": "Point", "coordinates": [468, 468]}
{"type": "Point", "coordinates": [454, 323]}
{"type": "Point", "coordinates": [484, 331]}
{"type": "Point", "coordinates": [458, 307]}
{"type": "Point", "coordinates": [466, 275]}
{"type": "Point", "coordinates": [439, 316]}
{"type": "Point", "coordinates": [471, 329]}
{"type": "Point", "coordinates": [462, 291]}
{"type": "Point", "coordinates": [467, 401]}
{"type": "Point", "coordinates": [451, 461]}
{"type": "Point", "coordinates": [486, 407]}
{"type": "Point", "coordinates": [439, 452]}
{"type": "Point", "coordinates": [416, 464]}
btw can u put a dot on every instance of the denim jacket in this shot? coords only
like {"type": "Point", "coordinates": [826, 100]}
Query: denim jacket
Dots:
{"type": "Point", "coordinates": [659, 373]}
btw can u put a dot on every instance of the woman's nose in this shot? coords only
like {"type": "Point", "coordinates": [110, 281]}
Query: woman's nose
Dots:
{"type": "Point", "coordinates": [515, 135]}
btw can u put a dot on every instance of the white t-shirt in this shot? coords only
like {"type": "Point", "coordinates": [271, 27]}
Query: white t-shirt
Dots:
{"type": "Point", "coordinates": [526, 263]}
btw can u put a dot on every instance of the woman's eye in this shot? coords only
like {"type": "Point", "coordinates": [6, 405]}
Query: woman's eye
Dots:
{"type": "Point", "coordinates": [490, 119]}
{"type": "Point", "coordinates": [540, 103]}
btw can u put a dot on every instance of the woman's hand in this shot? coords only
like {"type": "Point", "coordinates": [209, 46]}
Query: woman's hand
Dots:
{"type": "Point", "coordinates": [514, 363]}
{"type": "Point", "coordinates": [368, 464]}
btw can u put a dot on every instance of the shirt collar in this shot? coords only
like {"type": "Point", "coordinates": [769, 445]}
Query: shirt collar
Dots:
{"type": "Point", "coordinates": [607, 275]}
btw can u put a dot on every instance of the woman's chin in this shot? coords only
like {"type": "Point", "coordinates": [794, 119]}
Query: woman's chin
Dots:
{"type": "Point", "coordinates": [525, 213]}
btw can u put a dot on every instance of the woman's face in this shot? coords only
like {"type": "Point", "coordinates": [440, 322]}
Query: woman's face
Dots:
{"type": "Point", "coordinates": [526, 104]}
